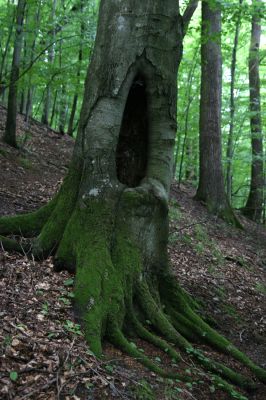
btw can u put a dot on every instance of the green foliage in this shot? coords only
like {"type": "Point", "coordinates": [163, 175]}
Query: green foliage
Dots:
{"type": "Point", "coordinates": [143, 391]}
{"type": "Point", "coordinates": [13, 376]}
{"type": "Point", "coordinates": [70, 326]}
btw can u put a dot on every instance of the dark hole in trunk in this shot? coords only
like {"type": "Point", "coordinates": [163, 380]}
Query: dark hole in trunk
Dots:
{"type": "Point", "coordinates": [132, 148]}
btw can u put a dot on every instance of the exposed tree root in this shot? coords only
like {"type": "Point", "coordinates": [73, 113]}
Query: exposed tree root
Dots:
{"type": "Point", "coordinates": [12, 245]}
{"type": "Point", "coordinates": [114, 293]}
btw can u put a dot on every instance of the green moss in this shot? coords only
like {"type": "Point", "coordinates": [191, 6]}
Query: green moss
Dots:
{"type": "Point", "coordinates": [13, 245]}
{"type": "Point", "coordinates": [143, 391]}
{"type": "Point", "coordinates": [25, 163]}
{"type": "Point", "coordinates": [53, 230]}
{"type": "Point", "coordinates": [28, 224]}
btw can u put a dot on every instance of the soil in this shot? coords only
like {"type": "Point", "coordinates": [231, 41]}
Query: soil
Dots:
{"type": "Point", "coordinates": [43, 353]}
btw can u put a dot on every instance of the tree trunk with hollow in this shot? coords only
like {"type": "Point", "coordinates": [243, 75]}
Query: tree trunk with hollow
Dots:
{"type": "Point", "coordinates": [109, 221]}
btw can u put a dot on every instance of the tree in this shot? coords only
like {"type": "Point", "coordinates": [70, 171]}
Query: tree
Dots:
{"type": "Point", "coordinates": [109, 220]}
{"type": "Point", "coordinates": [230, 141]}
{"type": "Point", "coordinates": [211, 183]}
{"type": "Point", "coordinates": [51, 56]}
{"type": "Point", "coordinates": [10, 130]}
{"type": "Point", "coordinates": [254, 205]}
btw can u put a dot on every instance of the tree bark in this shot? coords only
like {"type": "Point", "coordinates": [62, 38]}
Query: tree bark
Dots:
{"type": "Point", "coordinates": [254, 205]}
{"type": "Point", "coordinates": [211, 183]}
{"type": "Point", "coordinates": [9, 136]}
{"type": "Point", "coordinates": [230, 141]}
{"type": "Point", "coordinates": [109, 221]}
{"type": "Point", "coordinates": [51, 55]}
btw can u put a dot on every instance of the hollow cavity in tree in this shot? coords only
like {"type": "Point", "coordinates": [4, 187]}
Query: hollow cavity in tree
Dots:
{"type": "Point", "coordinates": [132, 148]}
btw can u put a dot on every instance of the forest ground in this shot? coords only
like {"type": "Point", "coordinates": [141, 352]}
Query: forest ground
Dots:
{"type": "Point", "coordinates": [43, 353]}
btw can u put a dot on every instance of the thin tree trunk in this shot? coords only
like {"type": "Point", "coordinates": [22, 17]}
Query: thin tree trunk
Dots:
{"type": "Point", "coordinates": [62, 111]}
{"type": "Point", "coordinates": [10, 130]}
{"type": "Point", "coordinates": [70, 128]}
{"type": "Point", "coordinates": [53, 109]}
{"type": "Point", "coordinates": [51, 55]}
{"type": "Point", "coordinates": [30, 91]}
{"type": "Point", "coordinates": [254, 205]}
{"type": "Point", "coordinates": [4, 55]}
{"type": "Point", "coordinates": [230, 141]}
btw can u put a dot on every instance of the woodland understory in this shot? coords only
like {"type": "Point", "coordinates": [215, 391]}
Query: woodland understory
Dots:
{"type": "Point", "coordinates": [144, 308]}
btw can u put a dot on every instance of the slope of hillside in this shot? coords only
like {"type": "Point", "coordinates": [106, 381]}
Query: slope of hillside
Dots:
{"type": "Point", "coordinates": [43, 353]}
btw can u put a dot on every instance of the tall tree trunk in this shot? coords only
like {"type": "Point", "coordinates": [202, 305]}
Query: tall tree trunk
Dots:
{"type": "Point", "coordinates": [211, 184]}
{"type": "Point", "coordinates": [70, 128]}
{"type": "Point", "coordinates": [109, 220]}
{"type": "Point", "coordinates": [254, 205]}
{"type": "Point", "coordinates": [30, 91]}
{"type": "Point", "coordinates": [230, 141]}
{"type": "Point", "coordinates": [51, 55]}
{"type": "Point", "coordinates": [10, 129]}
{"type": "Point", "coordinates": [5, 53]}
{"type": "Point", "coordinates": [63, 110]}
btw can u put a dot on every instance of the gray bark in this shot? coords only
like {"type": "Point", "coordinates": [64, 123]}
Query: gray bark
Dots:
{"type": "Point", "coordinates": [230, 141]}
{"type": "Point", "coordinates": [51, 56]}
{"type": "Point", "coordinates": [211, 184]}
{"type": "Point", "coordinates": [131, 60]}
{"type": "Point", "coordinates": [254, 205]}
{"type": "Point", "coordinates": [10, 130]}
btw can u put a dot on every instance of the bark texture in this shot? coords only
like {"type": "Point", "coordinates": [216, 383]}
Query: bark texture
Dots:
{"type": "Point", "coordinates": [109, 221]}
{"type": "Point", "coordinates": [10, 131]}
{"type": "Point", "coordinates": [211, 183]}
{"type": "Point", "coordinates": [230, 140]}
{"type": "Point", "coordinates": [254, 205]}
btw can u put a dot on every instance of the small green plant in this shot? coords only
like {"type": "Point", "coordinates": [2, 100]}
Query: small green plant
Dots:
{"type": "Point", "coordinates": [45, 308]}
{"type": "Point", "coordinates": [69, 282]}
{"type": "Point", "coordinates": [65, 300]}
{"type": "Point", "coordinates": [70, 326]}
{"type": "Point", "coordinates": [261, 288]}
{"type": "Point", "coordinates": [25, 163]}
{"type": "Point", "coordinates": [7, 341]}
{"type": "Point", "coordinates": [143, 391]}
{"type": "Point", "coordinates": [175, 213]}
{"type": "Point", "coordinates": [3, 152]}
{"type": "Point", "coordinates": [13, 375]}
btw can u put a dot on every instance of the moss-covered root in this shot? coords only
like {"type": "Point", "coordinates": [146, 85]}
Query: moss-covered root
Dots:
{"type": "Point", "coordinates": [221, 384]}
{"type": "Point", "coordinates": [12, 245]}
{"type": "Point", "coordinates": [159, 320]}
{"type": "Point", "coordinates": [163, 324]}
{"type": "Point", "coordinates": [118, 339]}
{"type": "Point", "coordinates": [27, 225]}
{"type": "Point", "coordinates": [53, 230]}
{"type": "Point", "coordinates": [143, 333]}
{"type": "Point", "coordinates": [170, 292]}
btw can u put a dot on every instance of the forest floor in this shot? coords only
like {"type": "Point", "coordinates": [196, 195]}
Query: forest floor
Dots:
{"type": "Point", "coordinates": [43, 354]}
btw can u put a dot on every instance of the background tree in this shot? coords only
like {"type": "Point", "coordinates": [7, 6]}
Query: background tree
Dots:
{"type": "Point", "coordinates": [109, 220]}
{"type": "Point", "coordinates": [230, 142]}
{"type": "Point", "coordinates": [254, 206]}
{"type": "Point", "coordinates": [10, 130]}
{"type": "Point", "coordinates": [211, 184]}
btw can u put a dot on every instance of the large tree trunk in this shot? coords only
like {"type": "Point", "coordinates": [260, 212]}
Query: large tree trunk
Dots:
{"type": "Point", "coordinates": [109, 221]}
{"type": "Point", "coordinates": [254, 206]}
{"type": "Point", "coordinates": [230, 140]}
{"type": "Point", "coordinates": [10, 129]}
{"type": "Point", "coordinates": [211, 183]}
